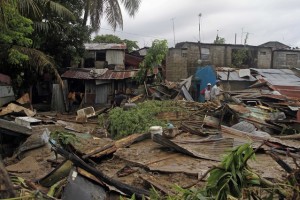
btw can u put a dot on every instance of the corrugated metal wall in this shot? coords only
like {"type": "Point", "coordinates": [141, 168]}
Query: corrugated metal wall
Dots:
{"type": "Point", "coordinates": [6, 94]}
{"type": "Point", "coordinates": [102, 93]}
{"type": "Point", "coordinates": [115, 57]}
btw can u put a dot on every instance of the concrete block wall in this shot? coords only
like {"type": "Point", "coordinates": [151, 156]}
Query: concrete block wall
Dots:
{"type": "Point", "coordinates": [286, 59]}
{"type": "Point", "coordinates": [264, 58]}
{"type": "Point", "coordinates": [176, 65]}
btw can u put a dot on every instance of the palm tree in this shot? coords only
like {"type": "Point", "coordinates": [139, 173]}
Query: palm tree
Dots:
{"type": "Point", "coordinates": [110, 9]}
{"type": "Point", "coordinates": [29, 9]}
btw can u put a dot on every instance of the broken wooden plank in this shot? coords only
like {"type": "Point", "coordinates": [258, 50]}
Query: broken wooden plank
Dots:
{"type": "Point", "coordinates": [124, 142]}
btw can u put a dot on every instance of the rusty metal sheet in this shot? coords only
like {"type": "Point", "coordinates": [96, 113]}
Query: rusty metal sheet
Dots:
{"type": "Point", "coordinates": [152, 156]}
{"type": "Point", "coordinates": [210, 150]}
{"type": "Point", "coordinates": [289, 91]}
{"type": "Point", "coordinates": [241, 137]}
{"type": "Point", "coordinates": [5, 79]}
{"type": "Point", "coordinates": [239, 108]}
{"type": "Point", "coordinates": [84, 74]}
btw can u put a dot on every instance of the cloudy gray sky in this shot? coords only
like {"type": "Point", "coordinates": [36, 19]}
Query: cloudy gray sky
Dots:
{"type": "Point", "coordinates": [264, 20]}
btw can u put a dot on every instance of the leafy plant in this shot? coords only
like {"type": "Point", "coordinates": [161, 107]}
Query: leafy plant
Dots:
{"type": "Point", "coordinates": [137, 119]}
{"type": "Point", "coordinates": [154, 57]}
{"type": "Point", "coordinates": [63, 138]}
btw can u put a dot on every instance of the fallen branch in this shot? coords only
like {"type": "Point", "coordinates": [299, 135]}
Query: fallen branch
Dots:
{"type": "Point", "coordinates": [127, 189]}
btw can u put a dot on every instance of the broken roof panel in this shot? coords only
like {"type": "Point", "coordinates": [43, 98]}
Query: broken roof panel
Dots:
{"type": "Point", "coordinates": [282, 77]}
{"type": "Point", "coordinates": [234, 76]}
{"type": "Point", "coordinates": [85, 74]}
{"type": "Point", "coordinates": [104, 46]}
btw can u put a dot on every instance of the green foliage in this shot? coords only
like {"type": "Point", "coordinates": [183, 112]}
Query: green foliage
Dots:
{"type": "Point", "coordinates": [63, 138]}
{"type": "Point", "coordinates": [219, 40]}
{"type": "Point", "coordinates": [138, 119]}
{"type": "Point", "coordinates": [239, 57]}
{"type": "Point", "coordinates": [111, 10]}
{"type": "Point", "coordinates": [154, 57]}
{"type": "Point", "coordinates": [14, 31]}
{"type": "Point", "coordinates": [109, 38]}
{"type": "Point", "coordinates": [232, 175]}
{"type": "Point", "coordinates": [131, 45]}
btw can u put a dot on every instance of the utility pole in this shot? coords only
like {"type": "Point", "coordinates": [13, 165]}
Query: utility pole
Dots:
{"type": "Point", "coordinates": [242, 35]}
{"type": "Point", "coordinates": [235, 38]}
{"type": "Point", "coordinates": [199, 27]}
{"type": "Point", "coordinates": [174, 31]}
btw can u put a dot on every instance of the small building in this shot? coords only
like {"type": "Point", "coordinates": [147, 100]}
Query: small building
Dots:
{"type": "Point", "coordinates": [104, 55]}
{"type": "Point", "coordinates": [235, 79]}
{"type": "Point", "coordinates": [6, 90]}
{"type": "Point", "coordinates": [100, 85]}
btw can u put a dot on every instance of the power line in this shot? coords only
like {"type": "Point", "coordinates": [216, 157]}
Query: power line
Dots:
{"type": "Point", "coordinates": [156, 37]}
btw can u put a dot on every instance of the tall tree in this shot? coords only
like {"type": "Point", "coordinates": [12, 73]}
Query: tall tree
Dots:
{"type": "Point", "coordinates": [95, 10]}
{"type": "Point", "coordinates": [17, 22]}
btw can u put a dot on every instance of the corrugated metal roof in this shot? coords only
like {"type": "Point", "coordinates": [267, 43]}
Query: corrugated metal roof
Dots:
{"type": "Point", "coordinates": [289, 91]}
{"type": "Point", "coordinates": [104, 46]}
{"type": "Point", "coordinates": [234, 76]}
{"type": "Point", "coordinates": [85, 74]}
{"type": "Point", "coordinates": [282, 77]}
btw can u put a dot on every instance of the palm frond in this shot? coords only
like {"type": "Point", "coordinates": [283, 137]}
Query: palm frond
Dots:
{"type": "Point", "coordinates": [45, 26]}
{"type": "Point", "coordinates": [131, 6]}
{"type": "Point", "coordinates": [29, 7]}
{"type": "Point", "coordinates": [39, 60]}
{"type": "Point", "coordinates": [113, 14]}
{"type": "Point", "coordinates": [60, 10]}
{"type": "Point", "coordinates": [96, 13]}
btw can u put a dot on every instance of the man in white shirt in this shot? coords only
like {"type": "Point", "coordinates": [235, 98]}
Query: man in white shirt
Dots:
{"type": "Point", "coordinates": [216, 92]}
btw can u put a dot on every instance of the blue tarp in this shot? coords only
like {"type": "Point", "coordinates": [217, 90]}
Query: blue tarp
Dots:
{"type": "Point", "coordinates": [203, 76]}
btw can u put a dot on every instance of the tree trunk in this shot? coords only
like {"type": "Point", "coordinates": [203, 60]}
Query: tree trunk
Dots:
{"type": "Point", "coordinates": [86, 12]}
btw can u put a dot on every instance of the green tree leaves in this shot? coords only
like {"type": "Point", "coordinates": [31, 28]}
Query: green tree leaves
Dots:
{"type": "Point", "coordinates": [154, 57]}
{"type": "Point", "coordinates": [109, 38]}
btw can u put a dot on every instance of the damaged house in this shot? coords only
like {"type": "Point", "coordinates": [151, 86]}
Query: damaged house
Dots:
{"type": "Point", "coordinates": [183, 60]}
{"type": "Point", "coordinates": [106, 69]}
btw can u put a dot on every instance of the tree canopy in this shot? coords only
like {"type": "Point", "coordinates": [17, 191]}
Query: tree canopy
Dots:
{"type": "Point", "coordinates": [154, 57]}
{"type": "Point", "coordinates": [219, 40]}
{"type": "Point", "coordinates": [109, 38]}
{"type": "Point", "coordinates": [95, 10]}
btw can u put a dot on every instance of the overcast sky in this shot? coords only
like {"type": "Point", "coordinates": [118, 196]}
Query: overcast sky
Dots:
{"type": "Point", "coordinates": [264, 20]}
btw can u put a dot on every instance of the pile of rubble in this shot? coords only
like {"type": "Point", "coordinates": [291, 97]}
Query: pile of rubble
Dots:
{"type": "Point", "coordinates": [79, 161]}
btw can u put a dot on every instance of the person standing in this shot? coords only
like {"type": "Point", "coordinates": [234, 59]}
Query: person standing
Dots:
{"type": "Point", "coordinates": [216, 93]}
{"type": "Point", "coordinates": [207, 92]}
{"type": "Point", "coordinates": [119, 98]}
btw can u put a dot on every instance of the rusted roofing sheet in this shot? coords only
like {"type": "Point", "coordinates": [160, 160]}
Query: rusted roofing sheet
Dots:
{"type": "Point", "coordinates": [5, 79]}
{"type": "Point", "coordinates": [289, 91]}
{"type": "Point", "coordinates": [84, 74]}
